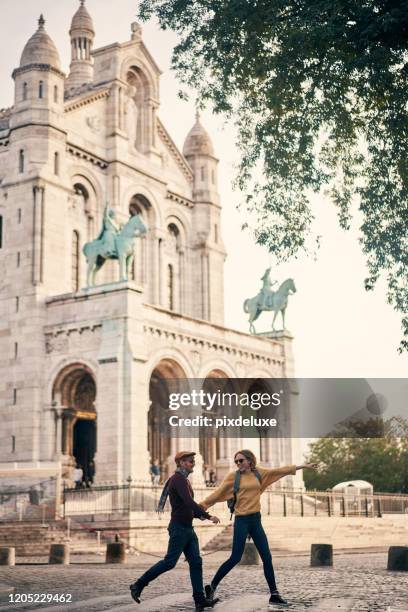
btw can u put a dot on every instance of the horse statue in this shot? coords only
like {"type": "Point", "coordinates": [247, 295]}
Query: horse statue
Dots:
{"type": "Point", "coordinates": [269, 300]}
{"type": "Point", "coordinates": [113, 243]}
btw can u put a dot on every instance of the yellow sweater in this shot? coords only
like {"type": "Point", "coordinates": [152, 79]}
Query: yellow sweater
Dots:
{"type": "Point", "coordinates": [250, 489]}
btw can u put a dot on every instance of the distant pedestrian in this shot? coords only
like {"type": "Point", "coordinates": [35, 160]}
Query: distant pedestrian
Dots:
{"type": "Point", "coordinates": [212, 478]}
{"type": "Point", "coordinates": [78, 476]}
{"type": "Point", "coordinates": [90, 474]}
{"type": "Point", "coordinates": [206, 474]}
{"type": "Point", "coordinates": [155, 472]}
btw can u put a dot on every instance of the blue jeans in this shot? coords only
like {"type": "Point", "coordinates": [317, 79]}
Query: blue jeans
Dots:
{"type": "Point", "coordinates": [244, 526]}
{"type": "Point", "coordinates": [182, 540]}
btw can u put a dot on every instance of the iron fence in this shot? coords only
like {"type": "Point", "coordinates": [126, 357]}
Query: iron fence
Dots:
{"type": "Point", "coordinates": [124, 499]}
{"type": "Point", "coordinates": [35, 502]}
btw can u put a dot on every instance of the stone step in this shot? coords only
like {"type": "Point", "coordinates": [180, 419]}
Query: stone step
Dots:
{"type": "Point", "coordinates": [34, 539]}
{"type": "Point", "coordinates": [341, 532]}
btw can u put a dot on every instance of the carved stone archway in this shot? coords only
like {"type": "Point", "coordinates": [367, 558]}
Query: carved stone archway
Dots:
{"type": "Point", "coordinates": [163, 381]}
{"type": "Point", "coordinates": [215, 449]}
{"type": "Point", "coordinates": [74, 395]}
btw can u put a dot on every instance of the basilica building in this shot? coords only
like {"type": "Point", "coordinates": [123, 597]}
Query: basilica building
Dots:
{"type": "Point", "coordinates": [83, 370]}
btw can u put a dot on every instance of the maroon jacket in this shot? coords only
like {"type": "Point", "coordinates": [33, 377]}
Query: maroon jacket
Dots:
{"type": "Point", "coordinates": [183, 506]}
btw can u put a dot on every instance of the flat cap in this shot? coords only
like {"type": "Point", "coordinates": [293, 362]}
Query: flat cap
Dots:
{"type": "Point", "coordinates": [183, 454]}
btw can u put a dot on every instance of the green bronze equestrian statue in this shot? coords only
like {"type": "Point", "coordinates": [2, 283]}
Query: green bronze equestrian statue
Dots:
{"type": "Point", "coordinates": [269, 300]}
{"type": "Point", "coordinates": [113, 242]}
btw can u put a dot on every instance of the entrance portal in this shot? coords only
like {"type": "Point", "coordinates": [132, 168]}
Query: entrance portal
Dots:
{"type": "Point", "coordinates": [76, 390]}
{"type": "Point", "coordinates": [84, 446]}
{"type": "Point", "coordinates": [163, 380]}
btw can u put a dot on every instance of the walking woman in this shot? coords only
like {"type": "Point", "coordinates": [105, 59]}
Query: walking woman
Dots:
{"type": "Point", "coordinates": [252, 482]}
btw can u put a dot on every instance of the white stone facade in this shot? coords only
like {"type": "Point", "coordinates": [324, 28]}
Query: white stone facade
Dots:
{"type": "Point", "coordinates": [76, 361]}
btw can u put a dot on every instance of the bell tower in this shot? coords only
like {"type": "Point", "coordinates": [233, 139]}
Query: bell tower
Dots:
{"type": "Point", "coordinates": [208, 245]}
{"type": "Point", "coordinates": [82, 35]}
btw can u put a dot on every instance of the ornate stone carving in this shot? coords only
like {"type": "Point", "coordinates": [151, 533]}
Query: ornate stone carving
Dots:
{"type": "Point", "coordinates": [72, 339]}
{"type": "Point", "coordinates": [94, 123]}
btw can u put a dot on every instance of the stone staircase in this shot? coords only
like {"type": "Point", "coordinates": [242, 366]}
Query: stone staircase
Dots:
{"type": "Point", "coordinates": [298, 533]}
{"type": "Point", "coordinates": [33, 539]}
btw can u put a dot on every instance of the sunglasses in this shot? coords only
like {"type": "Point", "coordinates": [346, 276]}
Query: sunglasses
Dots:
{"type": "Point", "coordinates": [190, 460]}
{"type": "Point", "coordinates": [239, 461]}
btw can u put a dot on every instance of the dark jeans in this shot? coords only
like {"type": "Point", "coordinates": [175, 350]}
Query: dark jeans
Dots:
{"type": "Point", "coordinates": [182, 540]}
{"type": "Point", "coordinates": [245, 526]}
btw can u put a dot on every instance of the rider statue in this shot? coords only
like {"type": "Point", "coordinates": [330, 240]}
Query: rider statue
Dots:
{"type": "Point", "coordinates": [110, 229]}
{"type": "Point", "coordinates": [266, 290]}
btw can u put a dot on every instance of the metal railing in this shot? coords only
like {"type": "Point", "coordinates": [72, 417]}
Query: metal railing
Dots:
{"type": "Point", "coordinates": [37, 502]}
{"type": "Point", "coordinates": [127, 498]}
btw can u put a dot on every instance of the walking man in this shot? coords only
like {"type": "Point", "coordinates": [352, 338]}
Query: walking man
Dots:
{"type": "Point", "coordinates": [183, 538]}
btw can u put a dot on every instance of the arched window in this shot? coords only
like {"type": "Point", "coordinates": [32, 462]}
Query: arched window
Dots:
{"type": "Point", "coordinates": [21, 161]}
{"type": "Point", "coordinates": [25, 91]}
{"type": "Point", "coordinates": [55, 93]}
{"type": "Point", "coordinates": [202, 173]}
{"type": "Point", "coordinates": [41, 89]}
{"type": "Point", "coordinates": [56, 163]}
{"type": "Point", "coordinates": [213, 177]}
{"type": "Point", "coordinates": [174, 235]}
{"type": "Point", "coordinates": [75, 261]}
{"type": "Point", "coordinates": [1, 232]}
{"type": "Point", "coordinates": [80, 190]}
{"type": "Point", "coordinates": [85, 200]}
{"type": "Point", "coordinates": [138, 204]}
{"type": "Point", "coordinates": [216, 233]}
{"type": "Point", "coordinates": [170, 287]}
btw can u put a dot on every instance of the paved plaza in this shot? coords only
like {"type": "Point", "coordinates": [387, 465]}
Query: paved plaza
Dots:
{"type": "Point", "coordinates": [357, 582]}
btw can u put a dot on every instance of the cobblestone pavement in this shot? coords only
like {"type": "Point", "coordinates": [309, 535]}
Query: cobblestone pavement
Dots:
{"type": "Point", "coordinates": [357, 583]}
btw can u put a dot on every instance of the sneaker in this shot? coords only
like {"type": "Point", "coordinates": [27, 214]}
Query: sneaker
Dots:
{"type": "Point", "coordinates": [204, 603]}
{"type": "Point", "coordinates": [275, 598]}
{"type": "Point", "coordinates": [209, 591]}
{"type": "Point", "coordinates": [135, 591]}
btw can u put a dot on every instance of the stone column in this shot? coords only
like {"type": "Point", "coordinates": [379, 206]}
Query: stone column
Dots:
{"type": "Point", "coordinates": [144, 262]}
{"type": "Point", "coordinates": [38, 230]}
{"type": "Point", "coordinates": [223, 462]}
{"type": "Point", "coordinates": [155, 261]}
{"type": "Point", "coordinates": [58, 413]}
{"type": "Point", "coordinates": [181, 281]}
{"type": "Point", "coordinates": [205, 286]}
{"type": "Point", "coordinates": [160, 272]}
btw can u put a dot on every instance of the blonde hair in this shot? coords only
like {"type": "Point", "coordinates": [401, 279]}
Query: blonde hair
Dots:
{"type": "Point", "coordinates": [248, 454]}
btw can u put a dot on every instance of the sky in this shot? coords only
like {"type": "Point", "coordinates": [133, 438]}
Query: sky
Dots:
{"type": "Point", "coordinates": [339, 329]}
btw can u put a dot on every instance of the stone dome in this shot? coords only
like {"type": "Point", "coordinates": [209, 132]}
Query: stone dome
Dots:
{"type": "Point", "coordinates": [198, 141]}
{"type": "Point", "coordinates": [82, 20]}
{"type": "Point", "coordinates": [40, 49]}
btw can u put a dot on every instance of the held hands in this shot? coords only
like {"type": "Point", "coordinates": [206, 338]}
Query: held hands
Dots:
{"type": "Point", "coordinates": [215, 520]}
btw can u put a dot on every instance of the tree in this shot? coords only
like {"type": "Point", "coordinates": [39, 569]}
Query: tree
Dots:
{"type": "Point", "coordinates": [318, 91]}
{"type": "Point", "coordinates": [381, 461]}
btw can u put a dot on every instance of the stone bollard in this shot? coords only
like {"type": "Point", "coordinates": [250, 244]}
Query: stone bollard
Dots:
{"type": "Point", "coordinates": [115, 553]}
{"type": "Point", "coordinates": [251, 555]}
{"type": "Point", "coordinates": [398, 558]}
{"type": "Point", "coordinates": [59, 554]}
{"type": "Point", "coordinates": [7, 556]}
{"type": "Point", "coordinates": [321, 555]}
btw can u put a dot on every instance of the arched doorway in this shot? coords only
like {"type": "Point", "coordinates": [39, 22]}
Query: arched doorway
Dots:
{"type": "Point", "coordinates": [75, 391]}
{"type": "Point", "coordinates": [167, 377]}
{"type": "Point", "coordinates": [213, 447]}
